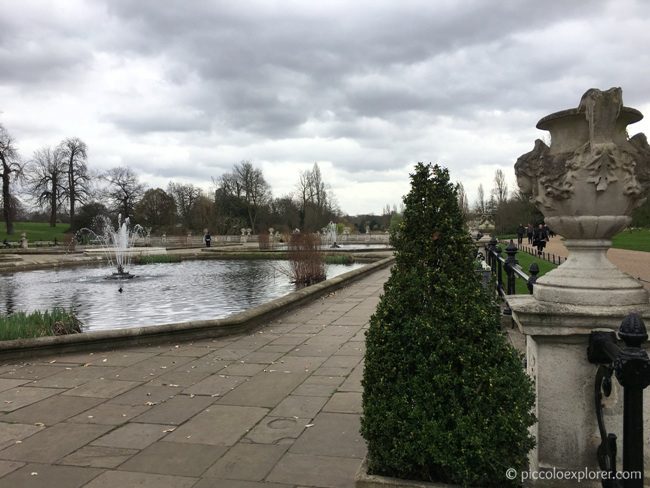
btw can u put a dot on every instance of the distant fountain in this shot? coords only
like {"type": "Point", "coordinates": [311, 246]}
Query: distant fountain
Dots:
{"type": "Point", "coordinates": [118, 245]}
{"type": "Point", "coordinates": [331, 235]}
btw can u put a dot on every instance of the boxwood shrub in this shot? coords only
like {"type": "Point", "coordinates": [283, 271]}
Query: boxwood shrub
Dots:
{"type": "Point", "coordinates": [445, 397]}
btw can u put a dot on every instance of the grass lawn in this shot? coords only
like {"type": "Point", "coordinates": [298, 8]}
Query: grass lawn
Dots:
{"type": "Point", "coordinates": [36, 231]}
{"type": "Point", "coordinates": [633, 239]}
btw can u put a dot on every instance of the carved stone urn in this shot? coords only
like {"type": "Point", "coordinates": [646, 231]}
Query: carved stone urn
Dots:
{"type": "Point", "coordinates": [586, 184]}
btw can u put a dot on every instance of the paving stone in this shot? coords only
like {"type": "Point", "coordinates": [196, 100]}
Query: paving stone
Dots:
{"type": "Point", "coordinates": [344, 402]}
{"type": "Point", "coordinates": [207, 364]}
{"type": "Point", "coordinates": [242, 368]}
{"type": "Point", "coordinates": [342, 362]}
{"type": "Point", "coordinates": [174, 458]}
{"type": "Point", "coordinates": [276, 348]}
{"type": "Point", "coordinates": [263, 357]}
{"type": "Point", "coordinates": [176, 410]}
{"type": "Point", "coordinates": [7, 467]}
{"type": "Point", "coordinates": [322, 471]}
{"type": "Point", "coordinates": [52, 410]}
{"type": "Point", "coordinates": [53, 443]}
{"type": "Point", "coordinates": [6, 384]}
{"type": "Point", "coordinates": [333, 434]}
{"type": "Point", "coordinates": [71, 358]}
{"type": "Point", "coordinates": [99, 456]}
{"type": "Point", "coordinates": [48, 476]}
{"type": "Point", "coordinates": [121, 358]}
{"type": "Point", "coordinates": [318, 386]}
{"type": "Point", "coordinates": [297, 364]}
{"type": "Point", "coordinates": [124, 479]}
{"type": "Point", "coordinates": [325, 371]}
{"type": "Point", "coordinates": [277, 430]}
{"type": "Point", "coordinates": [73, 376]}
{"type": "Point", "coordinates": [217, 483]}
{"type": "Point", "coordinates": [246, 462]}
{"type": "Point", "coordinates": [229, 353]}
{"type": "Point", "coordinates": [22, 396]}
{"type": "Point", "coordinates": [133, 436]}
{"type": "Point", "coordinates": [109, 414]}
{"type": "Point", "coordinates": [253, 341]}
{"type": "Point", "coordinates": [357, 349]}
{"type": "Point", "coordinates": [315, 350]}
{"type": "Point", "coordinates": [219, 425]}
{"type": "Point", "coordinates": [32, 371]}
{"type": "Point", "coordinates": [216, 384]}
{"type": "Point", "coordinates": [152, 367]}
{"type": "Point", "coordinates": [145, 395]}
{"type": "Point", "coordinates": [180, 378]}
{"type": "Point", "coordinates": [189, 350]}
{"type": "Point", "coordinates": [102, 388]}
{"type": "Point", "coordinates": [353, 381]}
{"type": "Point", "coordinates": [292, 339]}
{"type": "Point", "coordinates": [264, 390]}
{"type": "Point", "coordinates": [299, 406]}
{"type": "Point", "coordinates": [10, 433]}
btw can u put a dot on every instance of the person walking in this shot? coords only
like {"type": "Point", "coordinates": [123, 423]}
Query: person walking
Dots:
{"type": "Point", "coordinates": [521, 230]}
{"type": "Point", "coordinates": [540, 237]}
{"type": "Point", "coordinates": [208, 239]}
{"type": "Point", "coordinates": [529, 233]}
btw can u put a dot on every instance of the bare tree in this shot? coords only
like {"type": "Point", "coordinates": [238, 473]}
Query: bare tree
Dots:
{"type": "Point", "coordinates": [124, 189]}
{"type": "Point", "coordinates": [46, 180]}
{"type": "Point", "coordinates": [500, 190]}
{"type": "Point", "coordinates": [75, 153]}
{"type": "Point", "coordinates": [185, 196]}
{"type": "Point", "coordinates": [11, 169]}
{"type": "Point", "coordinates": [315, 200]}
{"type": "Point", "coordinates": [243, 190]}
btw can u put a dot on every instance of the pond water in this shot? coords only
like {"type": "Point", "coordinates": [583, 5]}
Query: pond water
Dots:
{"type": "Point", "coordinates": [160, 293]}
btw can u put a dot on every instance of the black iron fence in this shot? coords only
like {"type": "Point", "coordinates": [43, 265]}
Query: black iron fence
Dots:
{"type": "Point", "coordinates": [546, 256]}
{"type": "Point", "coordinates": [506, 270]}
{"type": "Point", "coordinates": [631, 366]}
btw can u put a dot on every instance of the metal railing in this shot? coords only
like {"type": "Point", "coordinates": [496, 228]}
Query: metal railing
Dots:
{"type": "Point", "coordinates": [507, 270]}
{"type": "Point", "coordinates": [631, 366]}
{"type": "Point", "coordinates": [546, 256]}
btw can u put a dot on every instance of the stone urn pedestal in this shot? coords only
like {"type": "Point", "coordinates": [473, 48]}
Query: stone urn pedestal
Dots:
{"type": "Point", "coordinates": [586, 184]}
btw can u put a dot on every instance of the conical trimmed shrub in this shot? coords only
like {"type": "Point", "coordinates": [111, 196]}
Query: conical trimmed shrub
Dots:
{"type": "Point", "coordinates": [445, 397]}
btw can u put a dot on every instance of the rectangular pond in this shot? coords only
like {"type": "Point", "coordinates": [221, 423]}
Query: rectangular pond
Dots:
{"type": "Point", "coordinates": [159, 294]}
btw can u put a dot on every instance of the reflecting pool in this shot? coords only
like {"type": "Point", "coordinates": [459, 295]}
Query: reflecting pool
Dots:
{"type": "Point", "coordinates": [160, 294]}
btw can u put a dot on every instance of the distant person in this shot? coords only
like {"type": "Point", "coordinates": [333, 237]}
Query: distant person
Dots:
{"type": "Point", "coordinates": [208, 239]}
{"type": "Point", "coordinates": [521, 230]}
{"type": "Point", "coordinates": [549, 232]}
{"type": "Point", "coordinates": [529, 233]}
{"type": "Point", "coordinates": [540, 238]}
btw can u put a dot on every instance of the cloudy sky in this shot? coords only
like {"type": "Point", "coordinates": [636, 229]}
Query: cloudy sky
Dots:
{"type": "Point", "coordinates": [182, 90]}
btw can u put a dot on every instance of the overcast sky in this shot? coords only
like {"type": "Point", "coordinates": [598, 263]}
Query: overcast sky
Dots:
{"type": "Point", "coordinates": [182, 90]}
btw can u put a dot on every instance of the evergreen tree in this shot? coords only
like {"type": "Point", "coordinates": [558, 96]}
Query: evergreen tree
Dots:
{"type": "Point", "coordinates": [445, 396]}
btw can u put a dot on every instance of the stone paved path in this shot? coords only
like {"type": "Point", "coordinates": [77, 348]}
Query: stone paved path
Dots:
{"type": "Point", "coordinates": [278, 408]}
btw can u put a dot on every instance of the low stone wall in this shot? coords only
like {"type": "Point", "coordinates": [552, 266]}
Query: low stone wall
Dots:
{"type": "Point", "coordinates": [198, 329]}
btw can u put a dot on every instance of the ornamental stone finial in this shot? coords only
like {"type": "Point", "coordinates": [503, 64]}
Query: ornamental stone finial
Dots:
{"type": "Point", "coordinates": [586, 184]}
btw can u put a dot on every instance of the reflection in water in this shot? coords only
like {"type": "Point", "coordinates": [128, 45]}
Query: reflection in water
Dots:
{"type": "Point", "coordinates": [161, 293]}
{"type": "Point", "coordinates": [8, 293]}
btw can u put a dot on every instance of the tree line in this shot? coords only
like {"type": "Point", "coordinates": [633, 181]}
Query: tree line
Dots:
{"type": "Point", "coordinates": [58, 181]}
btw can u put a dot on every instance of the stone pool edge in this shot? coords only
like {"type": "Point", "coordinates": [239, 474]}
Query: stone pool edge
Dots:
{"type": "Point", "coordinates": [196, 329]}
